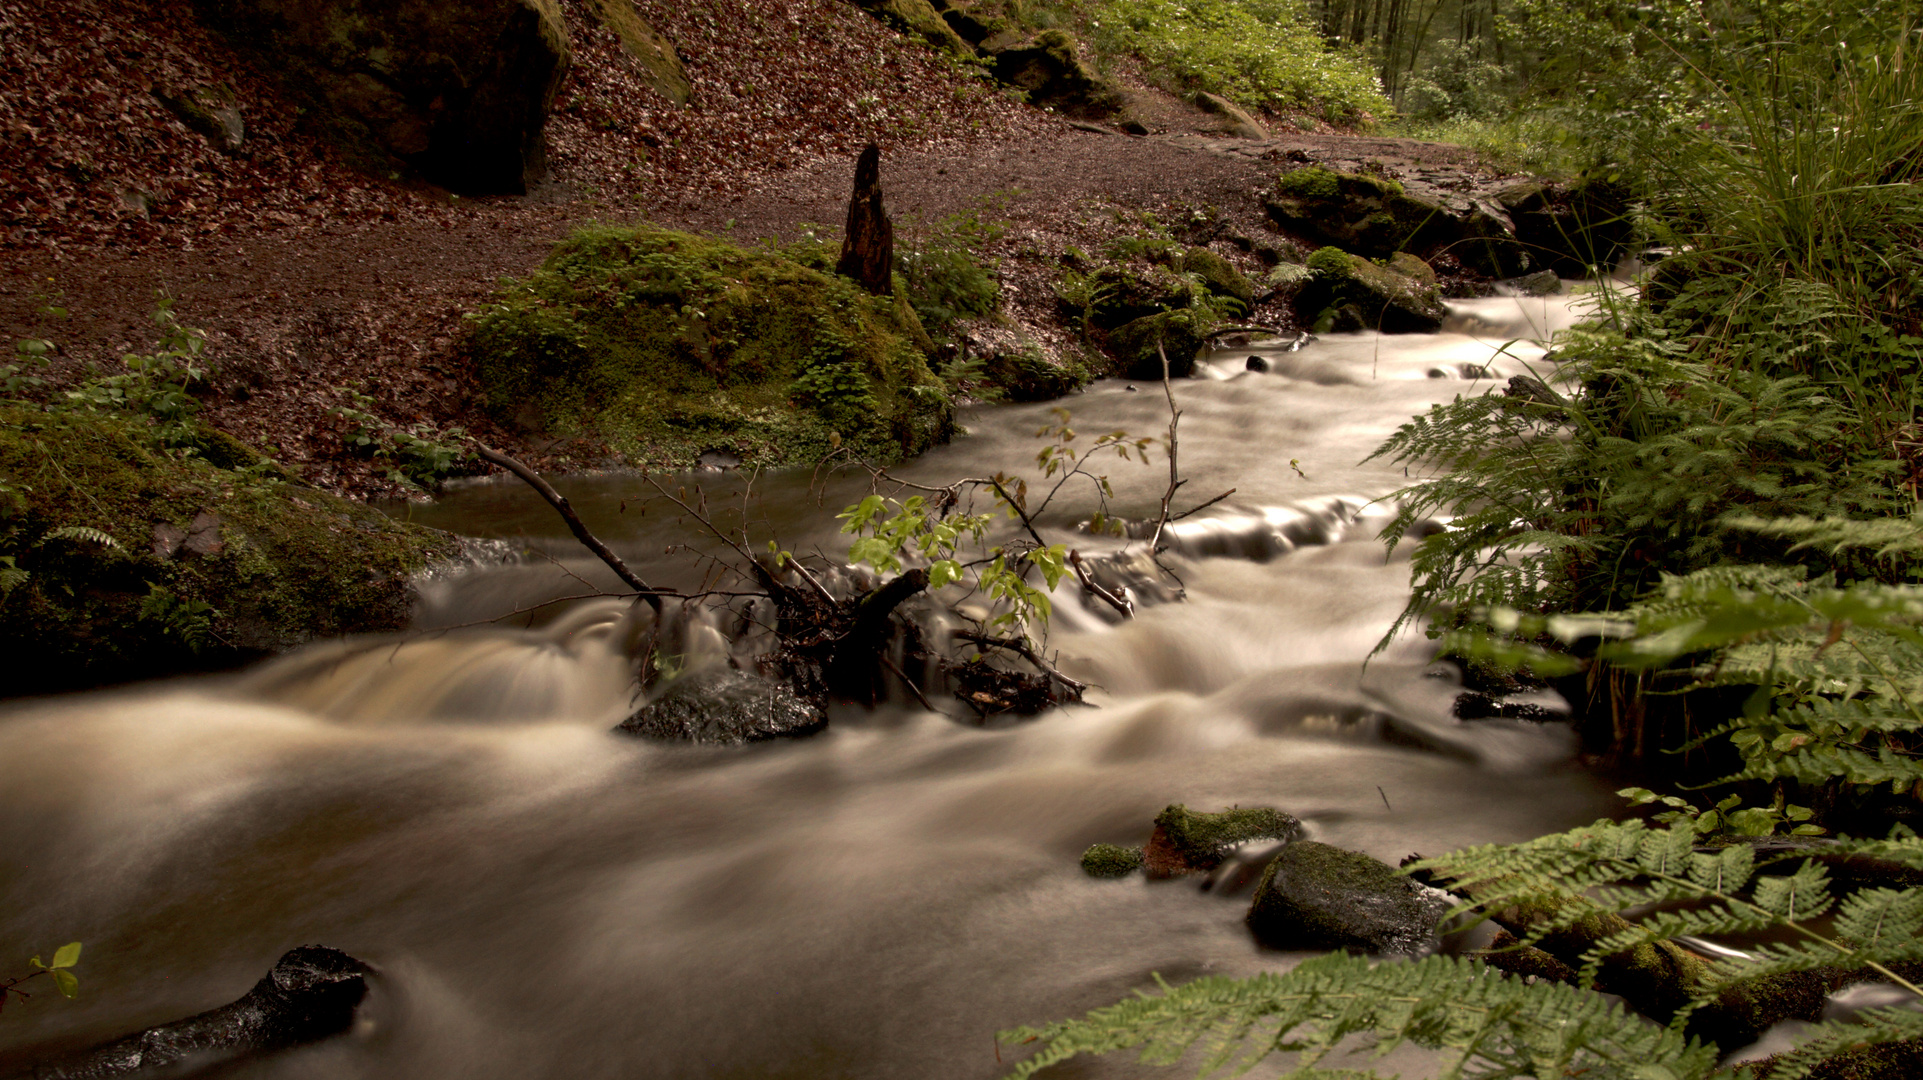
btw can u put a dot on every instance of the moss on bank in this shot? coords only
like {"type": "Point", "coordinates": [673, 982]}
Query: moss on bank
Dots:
{"type": "Point", "coordinates": [122, 559]}
{"type": "Point", "coordinates": [666, 344]}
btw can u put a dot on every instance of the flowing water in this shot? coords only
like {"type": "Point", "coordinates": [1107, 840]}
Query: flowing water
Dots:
{"type": "Point", "coordinates": [543, 898]}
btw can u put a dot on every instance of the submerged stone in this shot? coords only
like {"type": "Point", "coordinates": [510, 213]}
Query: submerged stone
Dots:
{"type": "Point", "coordinates": [310, 994]}
{"type": "Point", "coordinates": [724, 708]}
{"type": "Point", "coordinates": [1316, 896]}
{"type": "Point", "coordinates": [1192, 841]}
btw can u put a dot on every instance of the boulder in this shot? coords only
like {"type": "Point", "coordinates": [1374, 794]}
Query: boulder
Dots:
{"type": "Point", "coordinates": [1315, 896]}
{"type": "Point", "coordinates": [1134, 345]}
{"type": "Point", "coordinates": [1236, 120]}
{"type": "Point", "coordinates": [1571, 228]}
{"type": "Point", "coordinates": [868, 244]}
{"type": "Point", "coordinates": [976, 21]}
{"type": "Point", "coordinates": [310, 994]}
{"type": "Point", "coordinates": [1024, 374]}
{"type": "Point", "coordinates": [458, 89]}
{"type": "Point", "coordinates": [1219, 275]}
{"type": "Point", "coordinates": [724, 707]}
{"type": "Point", "coordinates": [1193, 841]}
{"type": "Point", "coordinates": [918, 17]}
{"type": "Point", "coordinates": [212, 112]}
{"type": "Point", "coordinates": [1348, 292]}
{"type": "Point", "coordinates": [1049, 70]}
{"type": "Point", "coordinates": [1375, 216]}
{"type": "Point", "coordinates": [1126, 293]}
{"type": "Point", "coordinates": [653, 55]}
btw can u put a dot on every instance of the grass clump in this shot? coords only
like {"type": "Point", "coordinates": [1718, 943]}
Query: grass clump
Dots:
{"type": "Point", "coordinates": [666, 344]}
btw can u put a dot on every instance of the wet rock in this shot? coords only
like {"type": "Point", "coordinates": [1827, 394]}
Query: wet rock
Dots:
{"type": "Point", "coordinates": [1572, 228]}
{"type": "Point", "coordinates": [1054, 76]}
{"type": "Point", "coordinates": [868, 245]}
{"type": "Point", "coordinates": [1529, 389]}
{"type": "Point", "coordinates": [1024, 374]}
{"type": "Point", "coordinates": [1236, 120]}
{"type": "Point", "coordinates": [1375, 216]}
{"type": "Point", "coordinates": [459, 89]}
{"type": "Point", "coordinates": [1193, 841]}
{"type": "Point", "coordinates": [1257, 363]}
{"type": "Point", "coordinates": [724, 708]}
{"type": "Point", "coordinates": [212, 112]}
{"type": "Point", "coordinates": [1507, 953]}
{"type": "Point", "coordinates": [310, 994]}
{"type": "Point", "coordinates": [1315, 896]}
{"type": "Point", "coordinates": [1111, 861]}
{"type": "Point", "coordinates": [1474, 705]}
{"type": "Point", "coordinates": [1348, 292]}
{"type": "Point", "coordinates": [1540, 283]}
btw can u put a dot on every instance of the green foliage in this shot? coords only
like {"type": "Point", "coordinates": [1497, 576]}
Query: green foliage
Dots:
{"type": "Point", "coordinates": [1262, 54]}
{"type": "Point", "coordinates": [1110, 861]}
{"type": "Point", "coordinates": [946, 271]}
{"type": "Point", "coordinates": [667, 344]}
{"type": "Point", "coordinates": [1485, 1023]}
{"type": "Point", "coordinates": [59, 969]}
{"type": "Point", "coordinates": [421, 456]}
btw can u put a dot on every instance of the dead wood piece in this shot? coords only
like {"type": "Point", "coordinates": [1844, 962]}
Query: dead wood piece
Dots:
{"type": "Point", "coordinates": [560, 503]}
{"type": "Point", "coordinates": [868, 245]}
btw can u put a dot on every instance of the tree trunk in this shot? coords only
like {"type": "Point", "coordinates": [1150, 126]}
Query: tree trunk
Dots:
{"type": "Point", "coordinates": [868, 246]}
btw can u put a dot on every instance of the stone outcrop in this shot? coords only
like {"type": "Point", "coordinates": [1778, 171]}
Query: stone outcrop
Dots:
{"type": "Point", "coordinates": [457, 89]}
{"type": "Point", "coordinates": [1315, 896]}
{"type": "Point", "coordinates": [1375, 217]}
{"type": "Point", "coordinates": [212, 112]}
{"type": "Point", "coordinates": [868, 244]}
{"type": "Point", "coordinates": [1048, 69]}
{"type": "Point", "coordinates": [1349, 292]}
{"type": "Point", "coordinates": [1236, 120]}
{"type": "Point", "coordinates": [918, 17]}
{"type": "Point", "coordinates": [1193, 842]}
{"type": "Point", "coordinates": [1570, 228]}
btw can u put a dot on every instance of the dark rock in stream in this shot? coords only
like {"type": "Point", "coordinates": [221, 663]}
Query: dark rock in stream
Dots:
{"type": "Point", "coordinates": [1315, 896]}
{"type": "Point", "coordinates": [724, 708]}
{"type": "Point", "coordinates": [310, 994]}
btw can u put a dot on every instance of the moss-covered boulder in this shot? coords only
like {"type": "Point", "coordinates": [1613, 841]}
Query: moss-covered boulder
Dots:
{"type": "Point", "coordinates": [1024, 374]}
{"type": "Point", "coordinates": [1123, 293]}
{"type": "Point", "coordinates": [1048, 68]}
{"type": "Point", "coordinates": [1111, 861]}
{"type": "Point", "coordinates": [1347, 292]}
{"type": "Point", "coordinates": [1571, 228]}
{"type": "Point", "coordinates": [1138, 346]}
{"type": "Point", "coordinates": [1234, 118]}
{"type": "Point", "coordinates": [459, 89]}
{"type": "Point", "coordinates": [978, 21]}
{"type": "Point", "coordinates": [918, 17]}
{"type": "Point", "coordinates": [123, 559]}
{"type": "Point", "coordinates": [653, 55]}
{"type": "Point", "coordinates": [1218, 275]}
{"type": "Point", "coordinates": [1193, 841]}
{"type": "Point", "coordinates": [1375, 217]}
{"type": "Point", "coordinates": [666, 345]}
{"type": "Point", "coordinates": [1315, 896]}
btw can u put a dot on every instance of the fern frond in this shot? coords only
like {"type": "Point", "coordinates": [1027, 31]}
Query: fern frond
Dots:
{"type": "Point", "coordinates": [1867, 1028]}
{"type": "Point", "coordinates": [86, 534]}
{"type": "Point", "coordinates": [1485, 1023]}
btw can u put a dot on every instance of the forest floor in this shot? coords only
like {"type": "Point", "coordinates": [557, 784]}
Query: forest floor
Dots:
{"type": "Point", "coordinates": [366, 294]}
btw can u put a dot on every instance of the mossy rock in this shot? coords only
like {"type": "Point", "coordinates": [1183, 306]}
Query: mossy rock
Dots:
{"type": "Point", "coordinates": [1126, 293]}
{"type": "Point", "coordinates": [140, 561]}
{"type": "Point", "coordinates": [918, 17]}
{"type": "Point", "coordinates": [666, 344]}
{"type": "Point", "coordinates": [1346, 292]}
{"type": "Point", "coordinates": [1182, 334]}
{"type": "Point", "coordinates": [1192, 841]}
{"type": "Point", "coordinates": [724, 708]}
{"type": "Point", "coordinates": [1376, 217]}
{"type": "Point", "coordinates": [1219, 274]}
{"type": "Point", "coordinates": [1026, 375]}
{"type": "Point", "coordinates": [1111, 861]}
{"type": "Point", "coordinates": [649, 48]}
{"type": "Point", "coordinates": [1316, 896]}
{"type": "Point", "coordinates": [1048, 68]}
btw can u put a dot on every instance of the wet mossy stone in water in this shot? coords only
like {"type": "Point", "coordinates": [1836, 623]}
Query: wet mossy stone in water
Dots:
{"type": "Point", "coordinates": [1376, 217]}
{"type": "Point", "coordinates": [666, 344]}
{"type": "Point", "coordinates": [1192, 841]}
{"type": "Point", "coordinates": [1316, 896]}
{"type": "Point", "coordinates": [1347, 292]}
{"type": "Point", "coordinates": [724, 707]}
{"type": "Point", "coordinates": [1023, 375]}
{"type": "Point", "coordinates": [1111, 861]}
{"type": "Point", "coordinates": [1134, 345]}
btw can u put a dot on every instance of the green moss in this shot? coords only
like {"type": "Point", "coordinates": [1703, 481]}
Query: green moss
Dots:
{"type": "Point", "coordinates": [1332, 263]}
{"type": "Point", "coordinates": [1201, 837]}
{"type": "Point", "coordinates": [1411, 267]}
{"type": "Point", "coordinates": [1139, 345]}
{"type": "Point", "coordinates": [1111, 861]}
{"type": "Point", "coordinates": [666, 344]}
{"type": "Point", "coordinates": [1220, 275]}
{"type": "Point", "coordinates": [1313, 182]}
{"type": "Point", "coordinates": [140, 561]}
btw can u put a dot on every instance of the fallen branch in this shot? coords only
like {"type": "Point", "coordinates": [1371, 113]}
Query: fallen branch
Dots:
{"type": "Point", "coordinates": [1119, 603]}
{"type": "Point", "coordinates": [560, 503]}
{"type": "Point", "coordinates": [1020, 648]}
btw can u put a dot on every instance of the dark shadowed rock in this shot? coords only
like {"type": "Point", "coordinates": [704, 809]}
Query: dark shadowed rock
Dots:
{"type": "Point", "coordinates": [1314, 896]}
{"type": "Point", "coordinates": [1257, 363]}
{"type": "Point", "coordinates": [212, 112]}
{"type": "Point", "coordinates": [724, 708]}
{"type": "Point", "coordinates": [868, 245]}
{"type": "Point", "coordinates": [919, 17]}
{"type": "Point", "coordinates": [459, 89]}
{"type": "Point", "coordinates": [1048, 69]}
{"type": "Point", "coordinates": [1348, 292]}
{"type": "Point", "coordinates": [309, 995]}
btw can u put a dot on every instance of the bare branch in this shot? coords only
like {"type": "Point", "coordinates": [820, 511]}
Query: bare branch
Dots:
{"type": "Point", "coordinates": [1021, 649]}
{"type": "Point", "coordinates": [1119, 603]}
{"type": "Point", "coordinates": [560, 503]}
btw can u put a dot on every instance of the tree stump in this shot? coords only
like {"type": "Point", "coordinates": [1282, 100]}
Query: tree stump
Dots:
{"type": "Point", "coordinates": [868, 245]}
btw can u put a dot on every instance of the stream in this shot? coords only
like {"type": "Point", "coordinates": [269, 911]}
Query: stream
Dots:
{"type": "Point", "coordinates": [542, 898]}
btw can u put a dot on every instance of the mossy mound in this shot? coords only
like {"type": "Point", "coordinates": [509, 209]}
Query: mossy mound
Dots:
{"type": "Point", "coordinates": [122, 560]}
{"type": "Point", "coordinates": [1025, 375]}
{"type": "Point", "coordinates": [1314, 896]}
{"type": "Point", "coordinates": [1203, 838]}
{"type": "Point", "coordinates": [1218, 274]}
{"type": "Point", "coordinates": [1140, 344]}
{"type": "Point", "coordinates": [666, 345]}
{"type": "Point", "coordinates": [1369, 215]}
